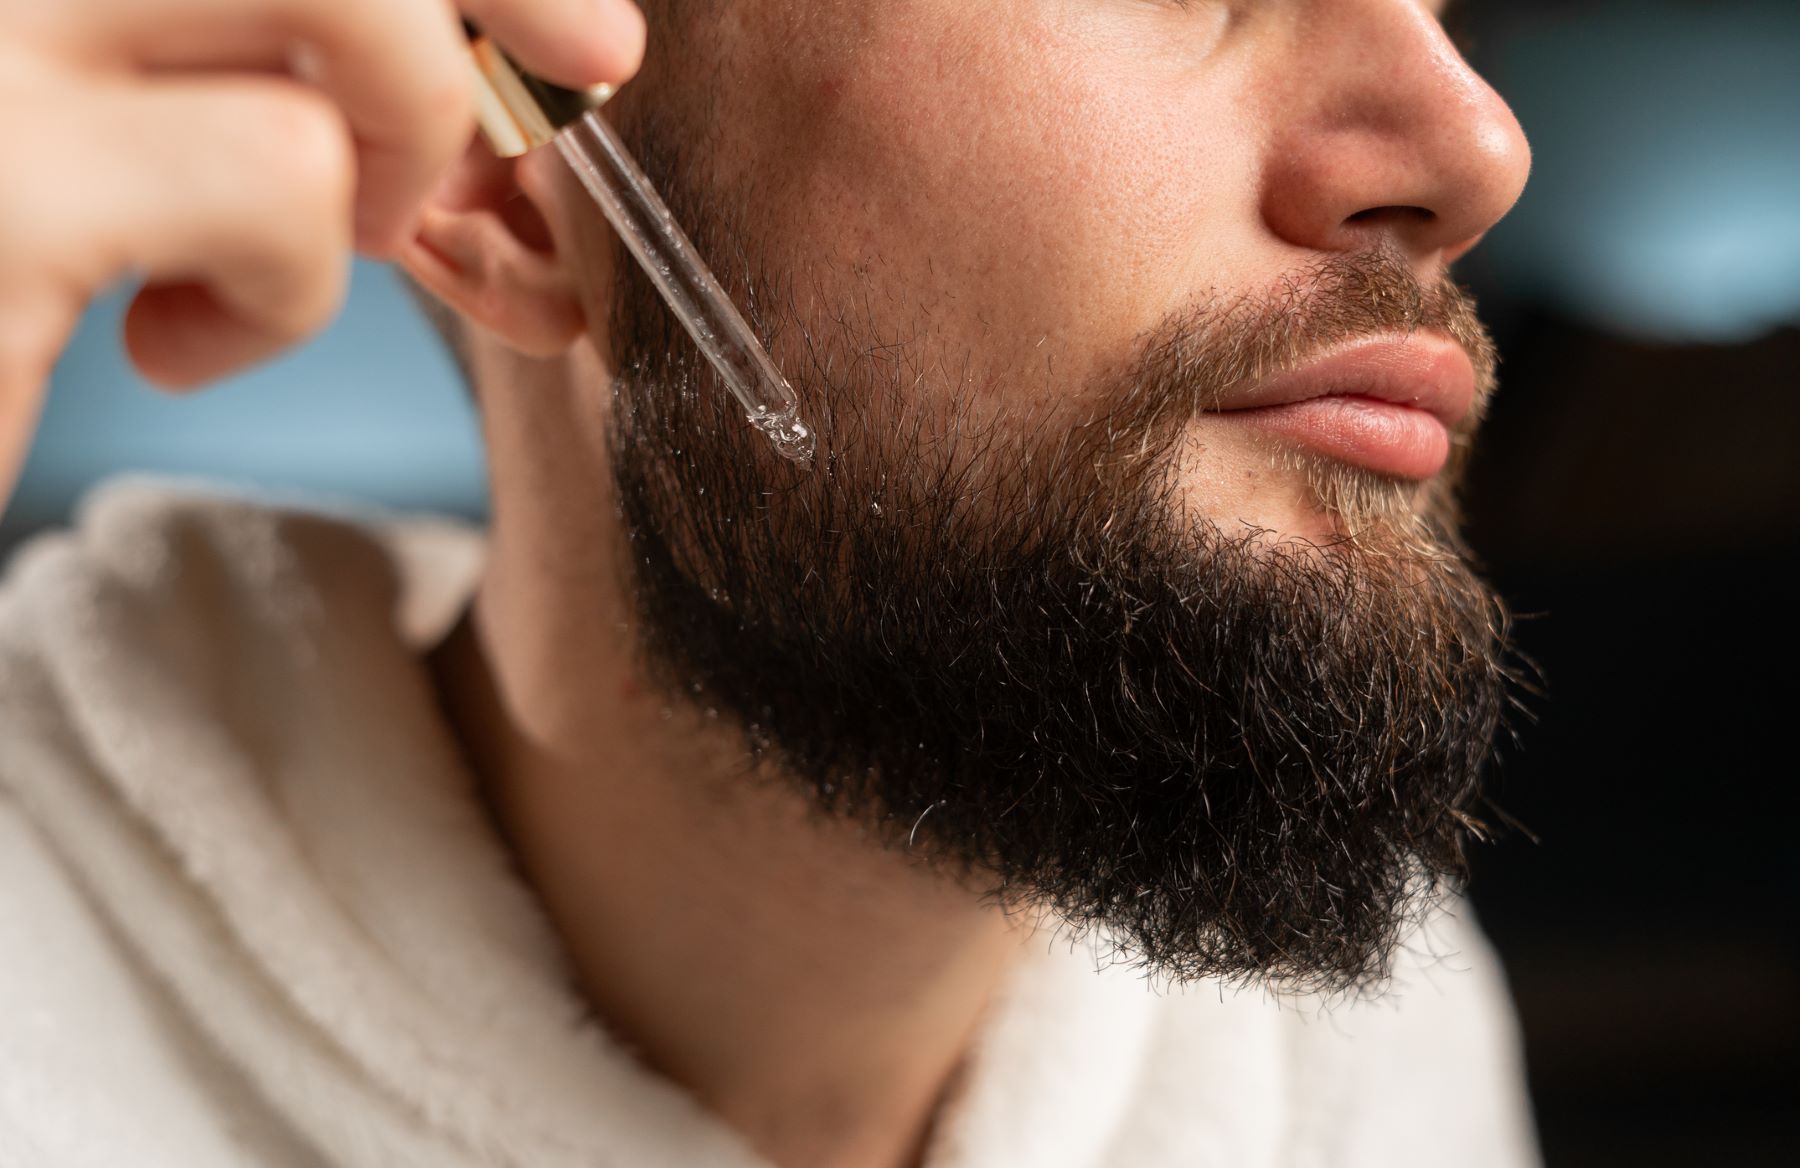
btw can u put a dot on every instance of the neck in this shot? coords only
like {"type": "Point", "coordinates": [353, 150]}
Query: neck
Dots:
{"type": "Point", "coordinates": [813, 989]}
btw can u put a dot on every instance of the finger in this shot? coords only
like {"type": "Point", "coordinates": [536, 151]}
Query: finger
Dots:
{"type": "Point", "coordinates": [184, 335]}
{"type": "Point", "coordinates": [232, 197]}
{"type": "Point", "coordinates": [572, 42]}
{"type": "Point", "coordinates": [576, 43]}
{"type": "Point", "coordinates": [398, 69]}
{"type": "Point", "coordinates": [33, 330]}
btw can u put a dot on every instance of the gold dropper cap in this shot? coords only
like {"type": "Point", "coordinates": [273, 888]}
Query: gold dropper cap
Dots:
{"type": "Point", "coordinates": [518, 112]}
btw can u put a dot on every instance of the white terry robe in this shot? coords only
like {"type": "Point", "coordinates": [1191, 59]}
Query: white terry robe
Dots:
{"type": "Point", "coordinates": [251, 914]}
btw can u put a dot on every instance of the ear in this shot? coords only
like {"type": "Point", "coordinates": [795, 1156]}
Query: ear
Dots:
{"type": "Point", "coordinates": [482, 245]}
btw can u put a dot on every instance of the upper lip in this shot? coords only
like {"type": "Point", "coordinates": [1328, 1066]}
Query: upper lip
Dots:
{"type": "Point", "coordinates": [1427, 371]}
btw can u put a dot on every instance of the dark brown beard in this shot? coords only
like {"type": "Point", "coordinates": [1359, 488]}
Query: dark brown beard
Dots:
{"type": "Point", "coordinates": [1006, 645]}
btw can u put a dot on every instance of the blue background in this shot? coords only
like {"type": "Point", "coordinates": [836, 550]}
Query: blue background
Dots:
{"type": "Point", "coordinates": [372, 408]}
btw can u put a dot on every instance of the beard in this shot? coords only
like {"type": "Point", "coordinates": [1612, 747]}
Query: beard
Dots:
{"type": "Point", "coordinates": [1018, 652]}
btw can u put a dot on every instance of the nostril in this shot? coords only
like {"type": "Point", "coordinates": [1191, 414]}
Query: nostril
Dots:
{"type": "Point", "coordinates": [1377, 216]}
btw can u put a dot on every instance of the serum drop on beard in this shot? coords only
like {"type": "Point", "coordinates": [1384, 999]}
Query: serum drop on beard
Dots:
{"type": "Point", "coordinates": [518, 112]}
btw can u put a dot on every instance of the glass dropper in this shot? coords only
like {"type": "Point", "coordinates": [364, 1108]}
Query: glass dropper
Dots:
{"type": "Point", "coordinates": [518, 112]}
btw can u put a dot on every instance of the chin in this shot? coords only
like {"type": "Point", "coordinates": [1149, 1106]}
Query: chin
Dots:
{"type": "Point", "coordinates": [1256, 494]}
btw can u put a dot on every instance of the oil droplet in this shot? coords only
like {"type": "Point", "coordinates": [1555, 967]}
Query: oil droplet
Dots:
{"type": "Point", "coordinates": [792, 438]}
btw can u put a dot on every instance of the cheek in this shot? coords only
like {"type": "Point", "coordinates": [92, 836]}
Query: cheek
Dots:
{"type": "Point", "coordinates": [1039, 204]}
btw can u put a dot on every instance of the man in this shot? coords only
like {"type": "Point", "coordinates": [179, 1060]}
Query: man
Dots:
{"type": "Point", "coordinates": [1071, 766]}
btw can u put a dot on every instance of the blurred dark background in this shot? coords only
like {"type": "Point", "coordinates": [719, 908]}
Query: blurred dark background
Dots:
{"type": "Point", "coordinates": [1637, 499]}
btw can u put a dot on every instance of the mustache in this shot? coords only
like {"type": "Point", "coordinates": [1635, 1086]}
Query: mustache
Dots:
{"type": "Point", "coordinates": [1197, 356]}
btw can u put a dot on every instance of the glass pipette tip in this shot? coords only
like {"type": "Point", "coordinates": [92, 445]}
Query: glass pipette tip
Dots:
{"type": "Point", "coordinates": [651, 234]}
{"type": "Point", "coordinates": [518, 112]}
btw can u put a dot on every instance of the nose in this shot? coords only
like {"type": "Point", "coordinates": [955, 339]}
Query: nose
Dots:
{"type": "Point", "coordinates": [1385, 136]}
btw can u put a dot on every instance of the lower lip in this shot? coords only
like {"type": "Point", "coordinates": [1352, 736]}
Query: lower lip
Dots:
{"type": "Point", "coordinates": [1385, 437]}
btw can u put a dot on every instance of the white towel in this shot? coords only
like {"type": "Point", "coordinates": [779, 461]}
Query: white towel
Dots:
{"type": "Point", "coordinates": [252, 914]}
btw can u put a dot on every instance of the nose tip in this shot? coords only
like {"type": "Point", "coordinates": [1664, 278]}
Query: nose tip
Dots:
{"type": "Point", "coordinates": [1406, 145]}
{"type": "Point", "coordinates": [1496, 163]}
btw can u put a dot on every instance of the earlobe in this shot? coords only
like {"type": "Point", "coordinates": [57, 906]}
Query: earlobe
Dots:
{"type": "Point", "coordinates": [482, 246]}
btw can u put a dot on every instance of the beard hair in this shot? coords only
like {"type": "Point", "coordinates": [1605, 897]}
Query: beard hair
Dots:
{"type": "Point", "coordinates": [1011, 648]}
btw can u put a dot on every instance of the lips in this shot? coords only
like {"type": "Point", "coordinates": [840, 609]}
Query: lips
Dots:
{"type": "Point", "coordinates": [1386, 404]}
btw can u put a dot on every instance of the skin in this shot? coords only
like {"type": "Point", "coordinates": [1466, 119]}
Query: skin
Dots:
{"type": "Point", "coordinates": [1083, 167]}
{"type": "Point", "coordinates": [1045, 178]}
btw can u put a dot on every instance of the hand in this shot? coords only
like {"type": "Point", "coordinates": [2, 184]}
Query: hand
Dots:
{"type": "Point", "coordinates": [234, 153]}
